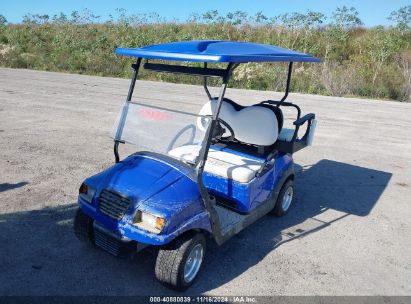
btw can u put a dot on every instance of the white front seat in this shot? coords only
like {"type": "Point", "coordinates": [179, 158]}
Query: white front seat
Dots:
{"type": "Point", "coordinates": [239, 168]}
{"type": "Point", "coordinates": [253, 125]}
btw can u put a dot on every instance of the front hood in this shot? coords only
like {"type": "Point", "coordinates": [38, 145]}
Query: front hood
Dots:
{"type": "Point", "coordinates": [154, 183]}
{"type": "Point", "coordinates": [139, 177]}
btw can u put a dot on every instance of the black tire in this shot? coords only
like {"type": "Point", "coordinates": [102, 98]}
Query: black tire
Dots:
{"type": "Point", "coordinates": [83, 226]}
{"type": "Point", "coordinates": [278, 208]}
{"type": "Point", "coordinates": [171, 260]}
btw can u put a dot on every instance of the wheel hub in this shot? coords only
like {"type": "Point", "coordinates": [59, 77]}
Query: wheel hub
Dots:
{"type": "Point", "coordinates": [287, 198]}
{"type": "Point", "coordinates": [193, 263]}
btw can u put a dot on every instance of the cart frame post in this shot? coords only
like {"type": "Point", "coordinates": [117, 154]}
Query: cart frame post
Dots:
{"type": "Point", "coordinates": [117, 140]}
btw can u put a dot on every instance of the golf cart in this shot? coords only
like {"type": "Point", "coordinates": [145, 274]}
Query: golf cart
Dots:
{"type": "Point", "coordinates": [197, 175]}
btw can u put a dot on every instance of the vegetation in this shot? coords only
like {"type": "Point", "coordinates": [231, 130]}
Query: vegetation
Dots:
{"type": "Point", "coordinates": [356, 61]}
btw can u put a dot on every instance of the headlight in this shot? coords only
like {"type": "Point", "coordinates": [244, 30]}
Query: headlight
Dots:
{"type": "Point", "coordinates": [86, 192]}
{"type": "Point", "coordinates": [148, 221]}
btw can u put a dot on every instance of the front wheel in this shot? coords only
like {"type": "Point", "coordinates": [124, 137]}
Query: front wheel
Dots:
{"type": "Point", "coordinates": [285, 198]}
{"type": "Point", "coordinates": [179, 263]}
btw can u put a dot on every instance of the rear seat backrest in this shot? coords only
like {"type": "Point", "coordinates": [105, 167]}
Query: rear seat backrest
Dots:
{"type": "Point", "coordinates": [253, 125]}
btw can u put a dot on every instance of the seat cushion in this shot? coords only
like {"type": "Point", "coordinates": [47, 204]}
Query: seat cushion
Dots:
{"type": "Point", "coordinates": [253, 125]}
{"type": "Point", "coordinates": [232, 166]}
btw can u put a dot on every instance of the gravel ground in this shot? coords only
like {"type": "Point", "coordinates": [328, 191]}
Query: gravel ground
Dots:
{"type": "Point", "coordinates": [347, 234]}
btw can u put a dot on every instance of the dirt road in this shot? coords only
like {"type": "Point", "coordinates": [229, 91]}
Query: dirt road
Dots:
{"type": "Point", "coordinates": [347, 234]}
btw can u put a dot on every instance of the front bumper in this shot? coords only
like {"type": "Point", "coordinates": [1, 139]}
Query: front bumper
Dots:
{"type": "Point", "coordinates": [125, 230]}
{"type": "Point", "coordinates": [111, 242]}
{"type": "Point", "coordinates": [122, 229]}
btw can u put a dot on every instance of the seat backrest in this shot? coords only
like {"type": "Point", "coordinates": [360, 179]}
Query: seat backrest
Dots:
{"type": "Point", "coordinates": [253, 125]}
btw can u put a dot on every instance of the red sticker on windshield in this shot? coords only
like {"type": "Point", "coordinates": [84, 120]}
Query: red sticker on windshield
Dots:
{"type": "Point", "coordinates": [155, 114]}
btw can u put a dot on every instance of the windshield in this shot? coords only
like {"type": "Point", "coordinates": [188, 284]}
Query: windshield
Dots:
{"type": "Point", "coordinates": [164, 123]}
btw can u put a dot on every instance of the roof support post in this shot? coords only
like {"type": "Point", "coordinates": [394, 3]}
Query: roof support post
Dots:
{"type": "Point", "coordinates": [136, 68]}
{"type": "Point", "coordinates": [287, 87]}
{"type": "Point", "coordinates": [205, 78]}
{"type": "Point", "coordinates": [208, 136]}
{"type": "Point", "coordinates": [208, 202]}
{"type": "Point", "coordinates": [120, 127]}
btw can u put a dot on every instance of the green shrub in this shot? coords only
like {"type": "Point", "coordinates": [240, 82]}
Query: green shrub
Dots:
{"type": "Point", "coordinates": [372, 62]}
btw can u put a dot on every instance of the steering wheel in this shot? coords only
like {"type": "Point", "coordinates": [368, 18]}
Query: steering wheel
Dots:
{"type": "Point", "coordinates": [180, 133]}
{"type": "Point", "coordinates": [220, 129]}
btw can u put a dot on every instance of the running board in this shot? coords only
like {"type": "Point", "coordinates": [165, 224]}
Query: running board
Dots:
{"type": "Point", "coordinates": [230, 222]}
{"type": "Point", "coordinates": [233, 222]}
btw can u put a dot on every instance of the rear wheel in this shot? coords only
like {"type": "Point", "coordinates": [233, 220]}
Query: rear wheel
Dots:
{"type": "Point", "coordinates": [179, 263]}
{"type": "Point", "coordinates": [285, 198]}
{"type": "Point", "coordinates": [83, 226]}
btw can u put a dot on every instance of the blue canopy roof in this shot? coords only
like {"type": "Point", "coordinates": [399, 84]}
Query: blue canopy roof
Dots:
{"type": "Point", "coordinates": [217, 51]}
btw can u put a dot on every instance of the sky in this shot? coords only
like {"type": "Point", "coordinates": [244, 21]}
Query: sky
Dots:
{"type": "Point", "coordinates": [371, 12]}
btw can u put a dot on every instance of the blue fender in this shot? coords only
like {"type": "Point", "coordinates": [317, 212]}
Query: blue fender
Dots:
{"type": "Point", "coordinates": [161, 187]}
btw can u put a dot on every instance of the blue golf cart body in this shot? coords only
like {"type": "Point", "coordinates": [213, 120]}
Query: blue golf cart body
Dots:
{"type": "Point", "coordinates": [231, 178]}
